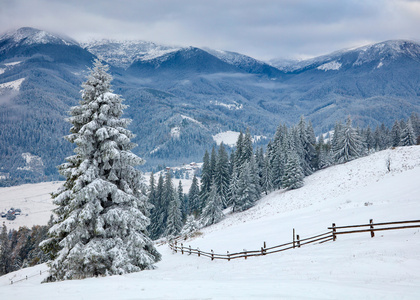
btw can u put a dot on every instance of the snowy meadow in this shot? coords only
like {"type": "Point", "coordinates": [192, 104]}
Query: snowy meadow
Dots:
{"type": "Point", "coordinates": [355, 266]}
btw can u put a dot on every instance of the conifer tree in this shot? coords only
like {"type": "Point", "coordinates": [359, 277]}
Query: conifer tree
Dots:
{"type": "Point", "coordinates": [100, 228]}
{"type": "Point", "coordinates": [206, 179]}
{"type": "Point", "coordinates": [247, 192]}
{"type": "Point", "coordinates": [157, 225]}
{"type": "Point", "coordinates": [212, 212]}
{"type": "Point", "coordinates": [221, 174]}
{"type": "Point", "coordinates": [174, 220]}
{"type": "Point", "coordinates": [5, 251]}
{"type": "Point", "coordinates": [185, 207]}
{"type": "Point", "coordinates": [396, 134]}
{"type": "Point", "coordinates": [407, 135]}
{"type": "Point", "coordinates": [348, 144]}
{"type": "Point", "coordinates": [293, 173]}
{"type": "Point", "coordinates": [194, 197]}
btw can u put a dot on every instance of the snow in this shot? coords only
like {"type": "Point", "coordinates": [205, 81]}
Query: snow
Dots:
{"type": "Point", "coordinates": [231, 106]}
{"type": "Point", "coordinates": [333, 65]}
{"type": "Point", "coordinates": [13, 63]}
{"type": "Point", "coordinates": [175, 132]}
{"type": "Point", "coordinates": [355, 266]}
{"type": "Point", "coordinates": [380, 64]}
{"type": "Point", "coordinates": [33, 199]}
{"type": "Point", "coordinates": [191, 119]}
{"type": "Point", "coordinates": [229, 138]}
{"type": "Point", "coordinates": [14, 85]}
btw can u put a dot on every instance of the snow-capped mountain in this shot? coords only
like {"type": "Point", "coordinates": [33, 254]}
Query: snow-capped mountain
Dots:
{"type": "Point", "coordinates": [378, 54]}
{"type": "Point", "coordinates": [31, 36]}
{"type": "Point", "coordinates": [123, 53]}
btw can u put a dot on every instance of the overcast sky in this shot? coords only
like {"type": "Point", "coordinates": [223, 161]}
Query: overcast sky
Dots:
{"type": "Point", "coordinates": [263, 29]}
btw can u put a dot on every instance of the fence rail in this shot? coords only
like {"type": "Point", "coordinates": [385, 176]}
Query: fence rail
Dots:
{"type": "Point", "coordinates": [27, 277]}
{"type": "Point", "coordinates": [264, 250]}
{"type": "Point", "coordinates": [297, 241]}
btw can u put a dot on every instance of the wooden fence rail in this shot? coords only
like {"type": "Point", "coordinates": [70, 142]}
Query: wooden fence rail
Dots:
{"type": "Point", "coordinates": [336, 229]}
{"type": "Point", "coordinates": [297, 241]}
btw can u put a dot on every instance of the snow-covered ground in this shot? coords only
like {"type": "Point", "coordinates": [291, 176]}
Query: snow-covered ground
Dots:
{"type": "Point", "coordinates": [353, 267]}
{"type": "Point", "coordinates": [33, 199]}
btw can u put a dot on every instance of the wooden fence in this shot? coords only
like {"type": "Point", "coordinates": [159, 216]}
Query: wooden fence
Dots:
{"type": "Point", "coordinates": [297, 241]}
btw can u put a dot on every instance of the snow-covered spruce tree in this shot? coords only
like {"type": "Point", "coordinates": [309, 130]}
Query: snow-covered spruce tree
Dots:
{"type": "Point", "coordinates": [348, 144]}
{"type": "Point", "coordinates": [174, 220]}
{"type": "Point", "coordinates": [5, 251]}
{"type": "Point", "coordinates": [185, 206]}
{"type": "Point", "coordinates": [157, 224]}
{"type": "Point", "coordinates": [221, 175]}
{"type": "Point", "coordinates": [101, 215]}
{"type": "Point", "coordinates": [194, 197]}
{"type": "Point", "coordinates": [407, 135]}
{"type": "Point", "coordinates": [206, 180]}
{"type": "Point", "coordinates": [247, 192]}
{"type": "Point", "coordinates": [191, 226]}
{"type": "Point", "coordinates": [212, 212]}
{"type": "Point", "coordinates": [293, 173]}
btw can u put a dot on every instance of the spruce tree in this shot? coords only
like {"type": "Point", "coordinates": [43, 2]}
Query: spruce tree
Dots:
{"type": "Point", "coordinates": [212, 212]}
{"type": "Point", "coordinates": [206, 179]}
{"type": "Point", "coordinates": [157, 225]}
{"type": "Point", "coordinates": [247, 192]}
{"type": "Point", "coordinates": [185, 207]}
{"type": "Point", "coordinates": [174, 220]}
{"type": "Point", "coordinates": [395, 134]}
{"type": "Point", "coordinates": [407, 135]}
{"type": "Point", "coordinates": [194, 197]}
{"type": "Point", "coordinates": [5, 251]}
{"type": "Point", "coordinates": [293, 173]}
{"type": "Point", "coordinates": [221, 174]}
{"type": "Point", "coordinates": [348, 145]}
{"type": "Point", "coordinates": [100, 228]}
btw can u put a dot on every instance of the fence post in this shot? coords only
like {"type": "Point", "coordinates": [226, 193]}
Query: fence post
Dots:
{"type": "Point", "coordinates": [245, 253]}
{"type": "Point", "coordinates": [333, 232]}
{"type": "Point", "coordinates": [11, 281]}
{"type": "Point", "coordinates": [372, 233]}
{"type": "Point", "coordinates": [293, 238]}
{"type": "Point", "coordinates": [198, 249]}
{"type": "Point", "coordinates": [228, 255]}
{"type": "Point", "coordinates": [190, 251]}
{"type": "Point", "coordinates": [297, 241]}
{"type": "Point", "coordinates": [182, 248]}
{"type": "Point", "coordinates": [212, 254]}
{"type": "Point", "coordinates": [174, 248]}
{"type": "Point", "coordinates": [26, 277]}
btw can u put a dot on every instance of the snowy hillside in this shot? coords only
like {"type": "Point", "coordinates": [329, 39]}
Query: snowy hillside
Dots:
{"type": "Point", "coordinates": [353, 267]}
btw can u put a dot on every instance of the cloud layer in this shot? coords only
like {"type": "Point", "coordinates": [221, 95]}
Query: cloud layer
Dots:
{"type": "Point", "coordinates": [263, 29]}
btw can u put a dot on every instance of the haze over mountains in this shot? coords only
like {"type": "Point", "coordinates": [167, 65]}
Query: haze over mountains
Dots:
{"type": "Point", "coordinates": [180, 97]}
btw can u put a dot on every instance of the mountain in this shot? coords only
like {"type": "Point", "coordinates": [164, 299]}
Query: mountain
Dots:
{"type": "Point", "coordinates": [180, 97]}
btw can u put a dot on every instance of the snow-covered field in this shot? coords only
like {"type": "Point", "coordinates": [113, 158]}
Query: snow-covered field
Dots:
{"type": "Point", "coordinates": [33, 199]}
{"type": "Point", "coordinates": [353, 267]}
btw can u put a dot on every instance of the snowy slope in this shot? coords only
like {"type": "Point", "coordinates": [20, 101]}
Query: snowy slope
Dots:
{"type": "Point", "coordinates": [354, 267]}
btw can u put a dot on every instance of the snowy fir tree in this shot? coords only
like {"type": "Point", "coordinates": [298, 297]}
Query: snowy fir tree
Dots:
{"type": "Point", "coordinates": [293, 173]}
{"type": "Point", "coordinates": [407, 135]}
{"type": "Point", "coordinates": [221, 176]}
{"type": "Point", "coordinates": [158, 212]}
{"type": "Point", "coordinates": [347, 144]}
{"type": "Point", "coordinates": [206, 180]}
{"type": "Point", "coordinates": [212, 212]}
{"type": "Point", "coordinates": [101, 215]}
{"type": "Point", "coordinates": [5, 251]}
{"type": "Point", "coordinates": [247, 191]}
{"type": "Point", "coordinates": [191, 226]}
{"type": "Point", "coordinates": [395, 134]}
{"type": "Point", "coordinates": [174, 221]}
{"type": "Point", "coordinates": [194, 197]}
{"type": "Point", "coordinates": [185, 206]}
